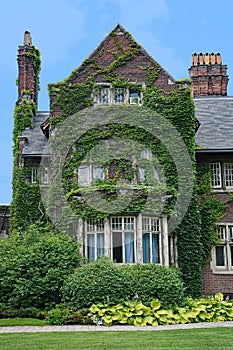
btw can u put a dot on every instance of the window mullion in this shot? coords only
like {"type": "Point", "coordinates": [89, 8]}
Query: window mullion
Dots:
{"type": "Point", "coordinates": [123, 240]}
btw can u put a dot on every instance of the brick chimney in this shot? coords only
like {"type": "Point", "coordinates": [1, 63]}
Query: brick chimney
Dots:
{"type": "Point", "coordinates": [208, 75]}
{"type": "Point", "coordinates": [27, 80]}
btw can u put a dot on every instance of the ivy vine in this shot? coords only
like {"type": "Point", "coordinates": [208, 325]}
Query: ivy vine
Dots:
{"type": "Point", "coordinates": [195, 238]}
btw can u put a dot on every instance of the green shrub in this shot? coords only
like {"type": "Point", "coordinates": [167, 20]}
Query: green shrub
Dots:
{"type": "Point", "coordinates": [59, 315]}
{"type": "Point", "coordinates": [8, 312]}
{"type": "Point", "coordinates": [33, 267]}
{"type": "Point", "coordinates": [68, 315]}
{"type": "Point", "coordinates": [99, 281]}
{"type": "Point", "coordinates": [151, 281]}
{"type": "Point", "coordinates": [105, 281]}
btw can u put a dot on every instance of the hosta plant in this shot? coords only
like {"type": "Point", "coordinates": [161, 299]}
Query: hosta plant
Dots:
{"type": "Point", "coordinates": [135, 313]}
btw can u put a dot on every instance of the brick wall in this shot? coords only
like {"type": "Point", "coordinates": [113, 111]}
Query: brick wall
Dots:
{"type": "Point", "coordinates": [213, 283]}
{"type": "Point", "coordinates": [133, 70]}
{"type": "Point", "coordinates": [208, 75]}
{"type": "Point", "coordinates": [26, 71]}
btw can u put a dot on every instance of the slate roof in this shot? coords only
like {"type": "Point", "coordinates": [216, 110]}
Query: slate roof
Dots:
{"type": "Point", "coordinates": [36, 138]}
{"type": "Point", "coordinates": [215, 115]}
{"type": "Point", "coordinates": [215, 133]}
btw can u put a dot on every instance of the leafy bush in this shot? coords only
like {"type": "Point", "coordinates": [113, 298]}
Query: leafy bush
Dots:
{"type": "Point", "coordinates": [105, 281]}
{"type": "Point", "coordinates": [137, 314]}
{"type": "Point", "coordinates": [68, 315]}
{"type": "Point", "coordinates": [33, 267]}
{"type": "Point", "coordinates": [150, 281]}
{"type": "Point", "coordinates": [99, 281]}
{"type": "Point", "coordinates": [7, 312]}
{"type": "Point", "coordinates": [59, 315]}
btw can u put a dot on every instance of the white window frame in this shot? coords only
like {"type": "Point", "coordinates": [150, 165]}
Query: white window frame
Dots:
{"type": "Point", "coordinates": [34, 175]}
{"type": "Point", "coordinates": [94, 229]}
{"type": "Point", "coordinates": [91, 173]}
{"type": "Point", "coordinates": [152, 226]}
{"type": "Point", "coordinates": [228, 177]}
{"type": "Point", "coordinates": [225, 234]}
{"type": "Point", "coordinates": [216, 175]}
{"type": "Point", "coordinates": [222, 175]}
{"type": "Point", "coordinates": [106, 94]}
{"type": "Point", "coordinates": [126, 224]}
{"type": "Point", "coordinates": [119, 96]}
{"type": "Point", "coordinates": [82, 179]}
{"type": "Point", "coordinates": [95, 172]}
{"type": "Point", "coordinates": [135, 100]}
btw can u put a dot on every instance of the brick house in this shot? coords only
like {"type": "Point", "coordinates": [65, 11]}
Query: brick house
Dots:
{"type": "Point", "coordinates": [214, 110]}
{"type": "Point", "coordinates": [143, 237]}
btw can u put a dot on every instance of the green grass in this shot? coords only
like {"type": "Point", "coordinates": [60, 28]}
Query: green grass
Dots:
{"type": "Point", "coordinates": [22, 322]}
{"type": "Point", "coordinates": [195, 339]}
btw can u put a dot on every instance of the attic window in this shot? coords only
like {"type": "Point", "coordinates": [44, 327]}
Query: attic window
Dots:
{"type": "Point", "coordinates": [104, 96]}
{"type": "Point", "coordinates": [118, 96]}
{"type": "Point", "coordinates": [107, 94]}
{"type": "Point", "coordinates": [134, 97]}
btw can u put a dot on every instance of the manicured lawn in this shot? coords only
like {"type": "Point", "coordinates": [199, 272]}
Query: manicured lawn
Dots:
{"type": "Point", "coordinates": [22, 322]}
{"type": "Point", "coordinates": [195, 339]}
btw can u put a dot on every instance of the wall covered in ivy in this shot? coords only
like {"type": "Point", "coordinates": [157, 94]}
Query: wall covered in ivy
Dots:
{"type": "Point", "coordinates": [173, 102]}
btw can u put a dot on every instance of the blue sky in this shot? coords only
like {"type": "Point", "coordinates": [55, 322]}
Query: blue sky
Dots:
{"type": "Point", "coordinates": [67, 31]}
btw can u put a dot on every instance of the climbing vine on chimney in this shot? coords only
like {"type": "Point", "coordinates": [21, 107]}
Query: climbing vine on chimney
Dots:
{"type": "Point", "coordinates": [25, 207]}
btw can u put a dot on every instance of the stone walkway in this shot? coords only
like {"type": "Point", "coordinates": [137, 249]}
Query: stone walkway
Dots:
{"type": "Point", "coordinates": [80, 328]}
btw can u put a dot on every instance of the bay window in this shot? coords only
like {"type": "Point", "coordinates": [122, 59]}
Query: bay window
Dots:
{"type": "Point", "coordinates": [151, 240]}
{"type": "Point", "coordinates": [95, 239]}
{"type": "Point", "coordinates": [123, 232]}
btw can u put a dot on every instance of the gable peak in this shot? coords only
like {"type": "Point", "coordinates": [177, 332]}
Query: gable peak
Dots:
{"type": "Point", "coordinates": [119, 30]}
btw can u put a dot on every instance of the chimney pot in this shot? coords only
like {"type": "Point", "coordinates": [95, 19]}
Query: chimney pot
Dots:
{"type": "Point", "coordinates": [27, 39]}
{"type": "Point", "coordinates": [208, 75]}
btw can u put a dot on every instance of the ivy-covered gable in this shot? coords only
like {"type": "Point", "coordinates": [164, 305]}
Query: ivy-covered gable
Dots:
{"type": "Point", "coordinates": [119, 61]}
{"type": "Point", "coordinates": [121, 56]}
